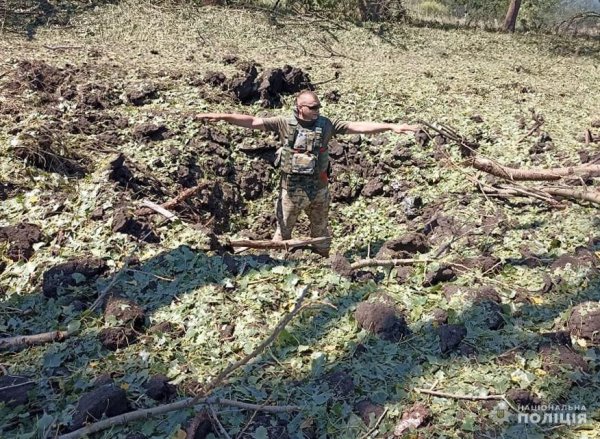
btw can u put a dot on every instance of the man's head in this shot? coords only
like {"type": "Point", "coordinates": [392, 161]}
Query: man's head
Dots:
{"type": "Point", "coordinates": [307, 106]}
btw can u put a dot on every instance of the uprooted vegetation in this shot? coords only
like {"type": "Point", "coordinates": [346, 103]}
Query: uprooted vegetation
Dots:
{"type": "Point", "coordinates": [450, 273]}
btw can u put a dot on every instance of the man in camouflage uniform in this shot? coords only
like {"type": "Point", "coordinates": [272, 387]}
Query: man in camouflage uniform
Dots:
{"type": "Point", "coordinates": [304, 160]}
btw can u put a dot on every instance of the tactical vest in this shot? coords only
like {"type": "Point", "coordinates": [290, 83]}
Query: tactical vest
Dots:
{"type": "Point", "coordinates": [301, 150]}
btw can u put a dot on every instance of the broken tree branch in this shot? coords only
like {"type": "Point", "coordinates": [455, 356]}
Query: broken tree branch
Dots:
{"type": "Point", "coordinates": [186, 194]}
{"type": "Point", "coordinates": [21, 341]}
{"type": "Point", "coordinates": [268, 244]}
{"type": "Point", "coordinates": [515, 174]}
{"type": "Point", "coordinates": [455, 396]}
{"type": "Point", "coordinates": [166, 408]}
{"type": "Point", "coordinates": [386, 262]}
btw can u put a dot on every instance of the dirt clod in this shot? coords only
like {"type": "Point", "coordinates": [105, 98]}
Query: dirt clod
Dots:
{"type": "Point", "coordinates": [341, 383]}
{"type": "Point", "coordinates": [14, 391]}
{"type": "Point", "coordinates": [556, 358]}
{"type": "Point", "coordinates": [141, 94]}
{"type": "Point", "coordinates": [381, 319]}
{"type": "Point", "coordinates": [108, 400]}
{"type": "Point", "coordinates": [199, 426]}
{"type": "Point", "coordinates": [522, 397]}
{"type": "Point", "coordinates": [404, 246]}
{"type": "Point", "coordinates": [341, 265]}
{"type": "Point", "coordinates": [151, 131]}
{"type": "Point", "coordinates": [125, 222]}
{"type": "Point", "coordinates": [368, 411]}
{"type": "Point", "coordinates": [117, 337]}
{"type": "Point", "coordinates": [451, 336]}
{"type": "Point", "coordinates": [584, 321]}
{"type": "Point", "coordinates": [20, 238]}
{"type": "Point", "coordinates": [443, 273]}
{"type": "Point", "coordinates": [71, 273]}
{"type": "Point", "coordinates": [159, 388]}
{"type": "Point", "coordinates": [125, 312]}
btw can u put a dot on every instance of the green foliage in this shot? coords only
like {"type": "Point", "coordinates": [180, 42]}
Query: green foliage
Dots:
{"type": "Point", "coordinates": [434, 8]}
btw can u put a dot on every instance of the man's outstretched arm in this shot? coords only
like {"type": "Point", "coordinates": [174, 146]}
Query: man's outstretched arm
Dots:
{"type": "Point", "coordinates": [380, 127]}
{"type": "Point", "coordinates": [240, 120]}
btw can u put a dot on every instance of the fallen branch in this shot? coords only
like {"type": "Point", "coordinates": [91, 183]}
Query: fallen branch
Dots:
{"type": "Point", "coordinates": [578, 194]}
{"type": "Point", "coordinates": [164, 212]}
{"type": "Point", "coordinates": [514, 174]}
{"type": "Point", "coordinates": [166, 408]}
{"type": "Point", "coordinates": [20, 341]}
{"type": "Point", "coordinates": [385, 262]}
{"type": "Point", "coordinates": [455, 396]}
{"type": "Point", "coordinates": [190, 402]}
{"type": "Point", "coordinates": [268, 244]}
{"type": "Point", "coordinates": [186, 194]}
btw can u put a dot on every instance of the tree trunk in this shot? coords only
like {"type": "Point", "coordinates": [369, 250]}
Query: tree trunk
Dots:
{"type": "Point", "coordinates": [511, 16]}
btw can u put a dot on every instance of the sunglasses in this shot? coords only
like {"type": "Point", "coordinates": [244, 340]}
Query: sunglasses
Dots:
{"type": "Point", "coordinates": [313, 107]}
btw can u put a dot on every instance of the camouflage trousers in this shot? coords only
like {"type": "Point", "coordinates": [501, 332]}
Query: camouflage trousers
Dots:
{"type": "Point", "coordinates": [289, 205]}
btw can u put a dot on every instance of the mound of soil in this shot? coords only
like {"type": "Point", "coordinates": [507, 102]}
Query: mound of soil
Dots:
{"type": "Point", "coordinates": [267, 88]}
{"type": "Point", "coordinates": [341, 383]}
{"type": "Point", "coordinates": [255, 181]}
{"type": "Point", "coordinates": [43, 149]}
{"type": "Point", "coordinates": [373, 188]}
{"type": "Point", "coordinates": [199, 426]}
{"type": "Point", "coordinates": [443, 273]}
{"type": "Point", "coordinates": [40, 76]}
{"type": "Point", "coordinates": [159, 388]}
{"type": "Point", "coordinates": [20, 238]}
{"type": "Point", "coordinates": [9, 190]}
{"type": "Point", "coordinates": [583, 258]}
{"type": "Point", "coordinates": [403, 247]}
{"type": "Point", "coordinates": [368, 411]}
{"type": "Point", "coordinates": [108, 400]}
{"type": "Point", "coordinates": [556, 358]}
{"type": "Point", "coordinates": [125, 311]}
{"type": "Point", "coordinates": [451, 336]}
{"type": "Point", "coordinates": [14, 391]}
{"type": "Point", "coordinates": [71, 273]}
{"type": "Point", "coordinates": [166, 328]}
{"type": "Point", "coordinates": [117, 337]}
{"type": "Point", "coordinates": [125, 222]}
{"type": "Point", "coordinates": [381, 319]}
{"type": "Point", "coordinates": [151, 132]}
{"type": "Point", "coordinates": [341, 265]}
{"type": "Point", "coordinates": [523, 398]}
{"type": "Point", "coordinates": [584, 321]}
{"type": "Point", "coordinates": [141, 94]}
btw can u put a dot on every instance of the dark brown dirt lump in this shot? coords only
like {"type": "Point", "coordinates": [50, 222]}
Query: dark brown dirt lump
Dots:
{"type": "Point", "coordinates": [381, 319]}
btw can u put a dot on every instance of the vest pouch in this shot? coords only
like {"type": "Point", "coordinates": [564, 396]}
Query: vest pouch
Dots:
{"type": "Point", "coordinates": [303, 163]}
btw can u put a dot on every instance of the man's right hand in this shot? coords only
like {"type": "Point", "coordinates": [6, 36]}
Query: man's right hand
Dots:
{"type": "Point", "coordinates": [211, 117]}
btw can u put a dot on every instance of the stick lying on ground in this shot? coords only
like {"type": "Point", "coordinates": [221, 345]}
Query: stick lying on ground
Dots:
{"type": "Point", "coordinates": [22, 341]}
{"type": "Point", "coordinates": [385, 262]}
{"type": "Point", "coordinates": [515, 174]}
{"type": "Point", "coordinates": [186, 194]}
{"type": "Point", "coordinates": [268, 244]}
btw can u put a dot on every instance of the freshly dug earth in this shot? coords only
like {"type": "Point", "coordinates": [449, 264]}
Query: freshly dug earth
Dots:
{"type": "Point", "coordinates": [451, 336]}
{"type": "Point", "coordinates": [584, 321]}
{"type": "Point", "coordinates": [108, 400]}
{"type": "Point", "coordinates": [20, 238]}
{"type": "Point", "coordinates": [381, 319]}
{"type": "Point", "coordinates": [14, 390]}
{"type": "Point", "coordinates": [125, 311]}
{"type": "Point", "coordinates": [71, 273]}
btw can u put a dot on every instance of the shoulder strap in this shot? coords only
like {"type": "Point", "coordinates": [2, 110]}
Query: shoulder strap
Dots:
{"type": "Point", "coordinates": [293, 125]}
